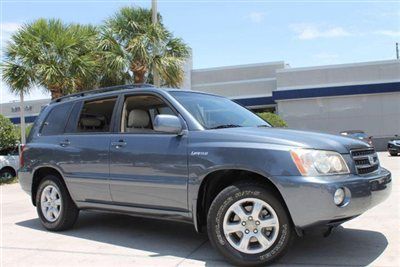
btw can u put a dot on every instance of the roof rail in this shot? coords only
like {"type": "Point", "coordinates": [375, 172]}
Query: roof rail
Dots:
{"type": "Point", "coordinates": [102, 90]}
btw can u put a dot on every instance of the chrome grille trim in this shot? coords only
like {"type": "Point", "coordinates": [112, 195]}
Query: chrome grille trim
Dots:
{"type": "Point", "coordinates": [365, 160]}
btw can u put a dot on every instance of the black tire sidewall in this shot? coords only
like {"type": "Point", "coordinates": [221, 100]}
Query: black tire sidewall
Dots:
{"type": "Point", "coordinates": [54, 181]}
{"type": "Point", "coordinates": [216, 215]}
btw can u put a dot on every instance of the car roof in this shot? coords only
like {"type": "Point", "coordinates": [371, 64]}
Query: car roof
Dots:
{"type": "Point", "coordinates": [106, 91]}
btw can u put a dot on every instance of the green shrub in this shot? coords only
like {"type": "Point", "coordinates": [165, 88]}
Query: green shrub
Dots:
{"type": "Point", "coordinates": [28, 128]}
{"type": "Point", "coordinates": [273, 119]}
{"type": "Point", "coordinates": [8, 133]}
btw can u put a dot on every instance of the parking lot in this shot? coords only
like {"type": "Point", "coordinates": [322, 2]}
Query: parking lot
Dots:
{"type": "Point", "coordinates": [109, 239]}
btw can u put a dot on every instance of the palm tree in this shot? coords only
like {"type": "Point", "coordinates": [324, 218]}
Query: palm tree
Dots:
{"type": "Point", "coordinates": [18, 75]}
{"type": "Point", "coordinates": [132, 47]}
{"type": "Point", "coordinates": [62, 58]}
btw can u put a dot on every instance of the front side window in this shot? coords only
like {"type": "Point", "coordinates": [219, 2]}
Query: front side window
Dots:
{"type": "Point", "coordinates": [96, 115]}
{"type": "Point", "coordinates": [139, 112]}
{"type": "Point", "coordinates": [214, 112]}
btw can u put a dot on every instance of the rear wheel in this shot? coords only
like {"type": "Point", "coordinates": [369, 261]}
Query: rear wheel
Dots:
{"type": "Point", "coordinates": [248, 224]}
{"type": "Point", "coordinates": [7, 174]}
{"type": "Point", "coordinates": [54, 205]}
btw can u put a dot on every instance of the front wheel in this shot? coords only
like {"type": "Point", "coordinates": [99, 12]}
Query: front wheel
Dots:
{"type": "Point", "coordinates": [393, 154]}
{"type": "Point", "coordinates": [248, 224]}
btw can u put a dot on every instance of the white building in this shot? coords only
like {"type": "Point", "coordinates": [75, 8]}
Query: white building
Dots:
{"type": "Point", "coordinates": [361, 96]}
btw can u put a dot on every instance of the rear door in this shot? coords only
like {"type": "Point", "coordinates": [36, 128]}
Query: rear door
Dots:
{"type": "Point", "coordinates": [84, 149]}
{"type": "Point", "coordinates": [148, 169]}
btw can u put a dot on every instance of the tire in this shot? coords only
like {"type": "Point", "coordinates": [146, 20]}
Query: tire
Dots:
{"type": "Point", "coordinates": [221, 211]}
{"type": "Point", "coordinates": [7, 173]}
{"type": "Point", "coordinates": [393, 154]}
{"type": "Point", "coordinates": [67, 210]}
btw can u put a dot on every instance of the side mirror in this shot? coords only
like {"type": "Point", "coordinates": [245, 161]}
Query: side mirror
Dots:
{"type": "Point", "coordinates": [167, 124]}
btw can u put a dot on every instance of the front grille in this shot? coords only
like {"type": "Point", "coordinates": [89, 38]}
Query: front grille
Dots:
{"type": "Point", "coordinates": [365, 160]}
{"type": "Point", "coordinates": [364, 152]}
{"type": "Point", "coordinates": [367, 170]}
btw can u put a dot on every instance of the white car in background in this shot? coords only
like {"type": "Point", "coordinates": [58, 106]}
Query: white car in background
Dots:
{"type": "Point", "coordinates": [9, 164]}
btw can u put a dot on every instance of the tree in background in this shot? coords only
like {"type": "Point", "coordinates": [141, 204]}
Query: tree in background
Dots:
{"type": "Point", "coordinates": [132, 47]}
{"type": "Point", "coordinates": [19, 75]}
{"type": "Point", "coordinates": [62, 58]}
{"type": "Point", "coordinates": [8, 134]}
{"type": "Point", "coordinates": [273, 119]}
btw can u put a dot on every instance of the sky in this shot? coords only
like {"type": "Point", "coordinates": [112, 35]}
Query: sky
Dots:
{"type": "Point", "coordinates": [222, 33]}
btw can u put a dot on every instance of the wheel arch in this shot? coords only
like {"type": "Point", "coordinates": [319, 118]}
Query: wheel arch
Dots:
{"type": "Point", "coordinates": [8, 167]}
{"type": "Point", "coordinates": [38, 176]}
{"type": "Point", "coordinates": [215, 181]}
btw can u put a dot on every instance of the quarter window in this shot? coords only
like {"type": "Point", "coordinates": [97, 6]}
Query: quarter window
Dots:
{"type": "Point", "coordinates": [55, 121]}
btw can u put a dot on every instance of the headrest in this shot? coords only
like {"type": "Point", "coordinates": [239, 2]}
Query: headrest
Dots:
{"type": "Point", "coordinates": [90, 122]}
{"type": "Point", "coordinates": [138, 119]}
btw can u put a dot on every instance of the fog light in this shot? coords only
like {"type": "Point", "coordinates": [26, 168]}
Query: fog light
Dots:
{"type": "Point", "coordinates": [339, 196]}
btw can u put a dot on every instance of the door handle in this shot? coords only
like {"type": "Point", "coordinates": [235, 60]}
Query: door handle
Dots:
{"type": "Point", "coordinates": [65, 143]}
{"type": "Point", "coordinates": [118, 144]}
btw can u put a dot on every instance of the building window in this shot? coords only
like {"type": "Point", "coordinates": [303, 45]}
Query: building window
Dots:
{"type": "Point", "coordinates": [15, 109]}
{"type": "Point", "coordinates": [18, 109]}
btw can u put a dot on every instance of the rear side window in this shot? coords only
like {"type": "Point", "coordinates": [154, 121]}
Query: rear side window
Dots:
{"type": "Point", "coordinates": [96, 115]}
{"type": "Point", "coordinates": [54, 124]}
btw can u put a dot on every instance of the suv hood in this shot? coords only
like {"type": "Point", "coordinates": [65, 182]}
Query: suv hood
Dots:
{"type": "Point", "coordinates": [296, 138]}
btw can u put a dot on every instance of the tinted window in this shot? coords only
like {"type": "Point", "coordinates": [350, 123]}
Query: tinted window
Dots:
{"type": "Point", "coordinates": [73, 118]}
{"type": "Point", "coordinates": [13, 151]}
{"type": "Point", "coordinates": [96, 115]}
{"type": "Point", "coordinates": [217, 112]}
{"type": "Point", "coordinates": [55, 122]}
{"type": "Point", "coordinates": [359, 135]}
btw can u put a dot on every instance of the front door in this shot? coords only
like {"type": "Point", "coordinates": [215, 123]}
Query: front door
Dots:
{"type": "Point", "coordinates": [148, 169]}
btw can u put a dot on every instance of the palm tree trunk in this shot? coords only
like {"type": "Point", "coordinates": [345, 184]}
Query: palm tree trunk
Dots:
{"type": "Point", "coordinates": [139, 76]}
{"type": "Point", "coordinates": [55, 93]}
{"type": "Point", "coordinates": [139, 72]}
{"type": "Point", "coordinates": [22, 111]}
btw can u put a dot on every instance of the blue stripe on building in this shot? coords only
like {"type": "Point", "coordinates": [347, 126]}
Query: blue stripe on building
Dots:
{"type": "Point", "coordinates": [257, 101]}
{"type": "Point", "coordinates": [28, 119]}
{"type": "Point", "coordinates": [321, 92]}
{"type": "Point", "coordinates": [337, 91]}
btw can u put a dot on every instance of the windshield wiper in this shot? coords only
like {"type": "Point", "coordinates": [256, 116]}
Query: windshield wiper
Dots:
{"type": "Point", "coordinates": [264, 125]}
{"type": "Point", "coordinates": [225, 126]}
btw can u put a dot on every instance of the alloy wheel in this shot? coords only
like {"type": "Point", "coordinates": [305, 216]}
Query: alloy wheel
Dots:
{"type": "Point", "coordinates": [51, 203]}
{"type": "Point", "coordinates": [251, 225]}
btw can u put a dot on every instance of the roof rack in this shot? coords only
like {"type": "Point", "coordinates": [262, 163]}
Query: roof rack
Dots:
{"type": "Point", "coordinates": [102, 90]}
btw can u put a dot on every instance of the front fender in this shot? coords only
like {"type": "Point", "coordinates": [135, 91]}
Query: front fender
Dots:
{"type": "Point", "coordinates": [266, 160]}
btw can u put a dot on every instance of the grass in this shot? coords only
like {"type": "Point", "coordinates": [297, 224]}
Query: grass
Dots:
{"type": "Point", "coordinates": [9, 181]}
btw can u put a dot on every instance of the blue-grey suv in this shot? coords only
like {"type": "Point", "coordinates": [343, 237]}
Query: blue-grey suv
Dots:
{"type": "Point", "coordinates": [196, 158]}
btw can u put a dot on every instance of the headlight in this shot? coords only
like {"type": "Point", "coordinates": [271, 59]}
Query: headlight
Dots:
{"type": "Point", "coordinates": [312, 162]}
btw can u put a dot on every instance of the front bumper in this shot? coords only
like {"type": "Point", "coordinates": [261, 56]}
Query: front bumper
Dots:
{"type": "Point", "coordinates": [310, 199]}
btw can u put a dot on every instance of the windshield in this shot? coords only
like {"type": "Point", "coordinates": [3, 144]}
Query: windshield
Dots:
{"type": "Point", "coordinates": [214, 112]}
{"type": "Point", "coordinates": [359, 135]}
